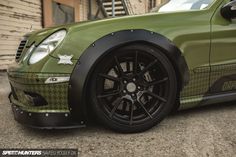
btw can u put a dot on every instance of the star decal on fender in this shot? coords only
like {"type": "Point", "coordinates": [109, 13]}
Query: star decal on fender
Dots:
{"type": "Point", "coordinates": [65, 59]}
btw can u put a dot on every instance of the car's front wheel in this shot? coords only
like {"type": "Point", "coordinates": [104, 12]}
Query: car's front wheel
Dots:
{"type": "Point", "coordinates": [133, 88]}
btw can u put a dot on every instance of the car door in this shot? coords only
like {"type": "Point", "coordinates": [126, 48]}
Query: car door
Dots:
{"type": "Point", "coordinates": [223, 50]}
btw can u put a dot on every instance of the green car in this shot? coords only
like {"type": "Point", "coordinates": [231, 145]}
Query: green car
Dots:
{"type": "Point", "coordinates": [129, 72]}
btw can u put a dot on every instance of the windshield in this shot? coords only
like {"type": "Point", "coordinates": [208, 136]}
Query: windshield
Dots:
{"type": "Point", "coordinates": [183, 5]}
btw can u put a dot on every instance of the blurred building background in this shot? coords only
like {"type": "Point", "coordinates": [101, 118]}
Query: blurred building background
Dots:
{"type": "Point", "coordinates": [18, 17]}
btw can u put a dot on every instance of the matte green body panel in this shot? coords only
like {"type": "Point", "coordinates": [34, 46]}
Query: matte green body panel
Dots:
{"type": "Point", "coordinates": [56, 95]}
{"type": "Point", "coordinates": [223, 52]}
{"type": "Point", "coordinates": [190, 31]}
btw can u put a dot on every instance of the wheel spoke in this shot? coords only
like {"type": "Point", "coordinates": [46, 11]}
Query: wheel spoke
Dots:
{"type": "Point", "coordinates": [158, 82]}
{"type": "Point", "coordinates": [116, 105]}
{"type": "Point", "coordinates": [135, 66]}
{"type": "Point", "coordinates": [105, 95]}
{"type": "Point", "coordinates": [109, 77]}
{"type": "Point", "coordinates": [116, 71]}
{"type": "Point", "coordinates": [156, 96]}
{"type": "Point", "coordinates": [121, 72]}
{"type": "Point", "coordinates": [131, 114]}
{"type": "Point", "coordinates": [147, 67]}
{"type": "Point", "coordinates": [142, 105]}
{"type": "Point", "coordinates": [125, 104]}
{"type": "Point", "coordinates": [156, 103]}
{"type": "Point", "coordinates": [128, 66]}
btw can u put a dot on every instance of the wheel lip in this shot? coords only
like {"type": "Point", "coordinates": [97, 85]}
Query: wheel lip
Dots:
{"type": "Point", "coordinates": [159, 109]}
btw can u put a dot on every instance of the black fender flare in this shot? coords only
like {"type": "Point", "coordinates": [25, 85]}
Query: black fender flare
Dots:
{"type": "Point", "coordinates": [89, 58]}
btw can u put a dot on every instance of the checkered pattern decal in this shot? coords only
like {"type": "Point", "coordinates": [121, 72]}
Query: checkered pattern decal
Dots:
{"type": "Point", "coordinates": [55, 94]}
{"type": "Point", "coordinates": [220, 71]}
{"type": "Point", "coordinates": [197, 88]}
{"type": "Point", "coordinates": [192, 94]}
{"type": "Point", "coordinates": [198, 84]}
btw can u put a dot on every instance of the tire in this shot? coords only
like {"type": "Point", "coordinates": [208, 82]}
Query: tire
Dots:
{"type": "Point", "coordinates": [133, 88]}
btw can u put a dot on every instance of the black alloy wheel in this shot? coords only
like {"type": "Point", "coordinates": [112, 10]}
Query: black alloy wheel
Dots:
{"type": "Point", "coordinates": [133, 88]}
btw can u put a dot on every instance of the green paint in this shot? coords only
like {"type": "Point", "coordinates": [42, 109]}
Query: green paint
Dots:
{"type": "Point", "coordinates": [207, 41]}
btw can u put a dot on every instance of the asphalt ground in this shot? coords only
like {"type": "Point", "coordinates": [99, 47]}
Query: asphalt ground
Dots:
{"type": "Point", "coordinates": [201, 132]}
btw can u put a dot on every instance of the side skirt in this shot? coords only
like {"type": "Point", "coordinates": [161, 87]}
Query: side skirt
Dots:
{"type": "Point", "coordinates": [200, 100]}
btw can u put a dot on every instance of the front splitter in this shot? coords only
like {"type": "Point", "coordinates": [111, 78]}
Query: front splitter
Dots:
{"type": "Point", "coordinates": [45, 120]}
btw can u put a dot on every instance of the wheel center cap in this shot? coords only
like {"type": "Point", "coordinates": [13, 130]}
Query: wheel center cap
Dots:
{"type": "Point", "coordinates": [131, 87]}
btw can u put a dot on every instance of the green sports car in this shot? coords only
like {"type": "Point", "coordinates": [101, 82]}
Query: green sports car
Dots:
{"type": "Point", "coordinates": [129, 72]}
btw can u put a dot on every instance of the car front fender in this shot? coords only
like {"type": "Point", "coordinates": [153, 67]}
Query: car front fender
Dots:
{"type": "Point", "coordinates": [87, 61]}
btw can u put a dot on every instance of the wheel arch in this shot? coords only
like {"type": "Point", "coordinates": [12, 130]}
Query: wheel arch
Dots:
{"type": "Point", "coordinates": [86, 63]}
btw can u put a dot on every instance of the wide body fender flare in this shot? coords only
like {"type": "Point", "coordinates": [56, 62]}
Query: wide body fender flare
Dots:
{"type": "Point", "coordinates": [87, 61]}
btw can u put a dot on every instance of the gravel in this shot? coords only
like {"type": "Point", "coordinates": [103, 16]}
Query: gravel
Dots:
{"type": "Point", "coordinates": [203, 132]}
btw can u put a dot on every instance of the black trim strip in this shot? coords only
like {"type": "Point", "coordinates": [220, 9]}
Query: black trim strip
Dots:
{"type": "Point", "coordinates": [218, 98]}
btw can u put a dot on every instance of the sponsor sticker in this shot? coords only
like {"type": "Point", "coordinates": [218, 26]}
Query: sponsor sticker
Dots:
{"type": "Point", "coordinates": [65, 59]}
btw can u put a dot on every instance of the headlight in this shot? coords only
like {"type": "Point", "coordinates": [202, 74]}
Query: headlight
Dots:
{"type": "Point", "coordinates": [47, 46]}
{"type": "Point", "coordinates": [29, 52]}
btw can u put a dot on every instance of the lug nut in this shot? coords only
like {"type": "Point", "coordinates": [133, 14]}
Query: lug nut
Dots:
{"type": "Point", "coordinates": [139, 87]}
{"type": "Point", "coordinates": [125, 82]}
{"type": "Point", "coordinates": [124, 91]}
{"type": "Point", "coordinates": [134, 79]}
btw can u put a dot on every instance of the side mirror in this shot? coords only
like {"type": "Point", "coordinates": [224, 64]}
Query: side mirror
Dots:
{"type": "Point", "coordinates": [228, 11]}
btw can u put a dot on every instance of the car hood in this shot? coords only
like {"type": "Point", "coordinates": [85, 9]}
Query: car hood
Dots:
{"type": "Point", "coordinates": [36, 37]}
{"type": "Point", "coordinates": [81, 35]}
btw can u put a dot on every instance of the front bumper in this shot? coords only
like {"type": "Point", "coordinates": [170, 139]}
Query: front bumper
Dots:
{"type": "Point", "coordinates": [40, 105]}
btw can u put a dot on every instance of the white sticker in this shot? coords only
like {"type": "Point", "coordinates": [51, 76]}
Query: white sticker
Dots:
{"type": "Point", "coordinates": [64, 59]}
{"type": "Point", "coordinates": [51, 80]}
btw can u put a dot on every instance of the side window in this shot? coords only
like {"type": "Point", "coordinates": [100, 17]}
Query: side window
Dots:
{"type": "Point", "coordinates": [201, 4]}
